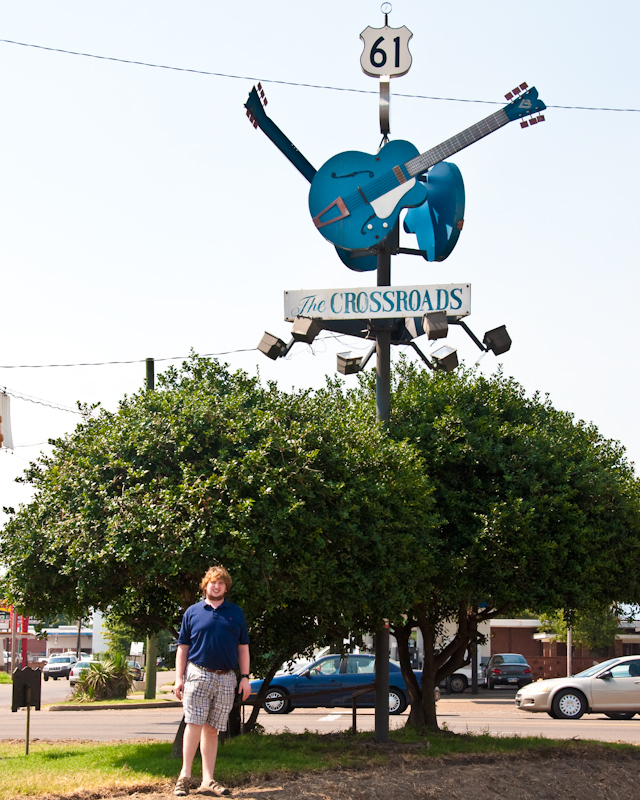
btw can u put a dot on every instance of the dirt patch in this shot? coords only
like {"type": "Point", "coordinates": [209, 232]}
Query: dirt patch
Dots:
{"type": "Point", "coordinates": [567, 773]}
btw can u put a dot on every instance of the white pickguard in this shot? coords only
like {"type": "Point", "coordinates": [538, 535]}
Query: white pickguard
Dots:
{"type": "Point", "coordinates": [385, 205]}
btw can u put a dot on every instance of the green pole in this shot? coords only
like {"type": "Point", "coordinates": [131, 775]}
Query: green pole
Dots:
{"type": "Point", "coordinates": [152, 641]}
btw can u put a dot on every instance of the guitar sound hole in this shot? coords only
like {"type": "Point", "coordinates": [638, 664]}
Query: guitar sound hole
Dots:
{"type": "Point", "coordinates": [353, 174]}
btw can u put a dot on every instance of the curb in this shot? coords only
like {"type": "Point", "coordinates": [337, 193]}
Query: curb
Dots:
{"type": "Point", "coordinates": [118, 707]}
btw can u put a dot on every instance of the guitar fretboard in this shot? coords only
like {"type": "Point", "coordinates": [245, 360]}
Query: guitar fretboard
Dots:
{"type": "Point", "coordinates": [423, 162]}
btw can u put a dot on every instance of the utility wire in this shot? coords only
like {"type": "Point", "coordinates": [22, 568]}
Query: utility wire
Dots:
{"type": "Point", "coordinates": [291, 83]}
{"type": "Point", "coordinates": [133, 361]}
{"type": "Point", "coordinates": [41, 402]}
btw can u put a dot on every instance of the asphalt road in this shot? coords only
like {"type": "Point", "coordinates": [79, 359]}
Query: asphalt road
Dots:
{"type": "Point", "coordinates": [493, 712]}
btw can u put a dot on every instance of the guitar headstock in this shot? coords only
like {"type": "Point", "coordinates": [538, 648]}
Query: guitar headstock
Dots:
{"type": "Point", "coordinates": [524, 102]}
{"type": "Point", "coordinates": [255, 104]}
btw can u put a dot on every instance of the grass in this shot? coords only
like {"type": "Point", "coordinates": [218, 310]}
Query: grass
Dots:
{"type": "Point", "coordinates": [68, 767]}
{"type": "Point", "coordinates": [5, 677]}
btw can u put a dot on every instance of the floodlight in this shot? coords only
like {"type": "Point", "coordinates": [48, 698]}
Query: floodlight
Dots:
{"type": "Point", "coordinates": [445, 358]}
{"type": "Point", "coordinates": [305, 329]}
{"type": "Point", "coordinates": [435, 324]}
{"type": "Point", "coordinates": [271, 346]}
{"type": "Point", "coordinates": [348, 363]}
{"type": "Point", "coordinates": [497, 340]}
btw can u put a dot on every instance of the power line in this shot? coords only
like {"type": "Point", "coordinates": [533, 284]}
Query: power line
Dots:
{"type": "Point", "coordinates": [133, 361]}
{"type": "Point", "coordinates": [40, 401]}
{"type": "Point", "coordinates": [290, 83]}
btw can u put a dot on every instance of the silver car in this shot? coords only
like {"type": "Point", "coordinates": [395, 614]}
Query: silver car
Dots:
{"type": "Point", "coordinates": [611, 688]}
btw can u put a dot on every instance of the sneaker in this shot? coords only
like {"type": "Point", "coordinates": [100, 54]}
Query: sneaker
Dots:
{"type": "Point", "coordinates": [182, 787]}
{"type": "Point", "coordinates": [214, 788]}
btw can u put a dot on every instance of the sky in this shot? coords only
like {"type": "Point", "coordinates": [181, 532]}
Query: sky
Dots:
{"type": "Point", "coordinates": [141, 215]}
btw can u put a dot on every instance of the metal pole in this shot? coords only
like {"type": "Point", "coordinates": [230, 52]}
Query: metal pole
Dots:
{"type": "Point", "coordinates": [383, 415]}
{"type": "Point", "coordinates": [569, 653]}
{"type": "Point", "coordinates": [152, 641]}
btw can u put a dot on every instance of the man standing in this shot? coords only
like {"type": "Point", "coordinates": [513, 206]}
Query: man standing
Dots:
{"type": "Point", "coordinates": [213, 641]}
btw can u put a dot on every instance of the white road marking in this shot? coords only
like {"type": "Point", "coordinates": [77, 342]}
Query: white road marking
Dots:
{"type": "Point", "coordinates": [329, 718]}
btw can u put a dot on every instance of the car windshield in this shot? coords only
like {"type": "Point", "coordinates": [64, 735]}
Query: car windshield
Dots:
{"type": "Point", "coordinates": [587, 673]}
{"type": "Point", "coordinates": [511, 658]}
{"type": "Point", "coordinates": [60, 661]}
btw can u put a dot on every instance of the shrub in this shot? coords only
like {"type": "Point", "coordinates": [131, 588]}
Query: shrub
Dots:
{"type": "Point", "coordinates": [105, 680]}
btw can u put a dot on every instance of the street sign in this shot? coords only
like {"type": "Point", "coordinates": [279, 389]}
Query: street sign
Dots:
{"type": "Point", "coordinates": [386, 51]}
{"type": "Point", "coordinates": [379, 302]}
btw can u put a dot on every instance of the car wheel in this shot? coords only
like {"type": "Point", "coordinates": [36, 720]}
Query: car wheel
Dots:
{"type": "Point", "coordinates": [397, 703]}
{"type": "Point", "coordinates": [276, 702]}
{"type": "Point", "coordinates": [55, 677]}
{"type": "Point", "coordinates": [552, 714]}
{"type": "Point", "coordinates": [46, 677]}
{"type": "Point", "coordinates": [490, 684]}
{"type": "Point", "coordinates": [620, 714]}
{"type": "Point", "coordinates": [457, 683]}
{"type": "Point", "coordinates": [569, 704]}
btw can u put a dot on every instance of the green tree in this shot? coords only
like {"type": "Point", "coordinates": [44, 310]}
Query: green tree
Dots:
{"type": "Point", "coordinates": [315, 511]}
{"type": "Point", "coordinates": [594, 628]}
{"type": "Point", "coordinates": [537, 509]}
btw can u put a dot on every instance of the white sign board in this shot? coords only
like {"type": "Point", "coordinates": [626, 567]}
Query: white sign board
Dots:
{"type": "Point", "coordinates": [136, 649]}
{"type": "Point", "coordinates": [386, 51]}
{"type": "Point", "coordinates": [379, 302]}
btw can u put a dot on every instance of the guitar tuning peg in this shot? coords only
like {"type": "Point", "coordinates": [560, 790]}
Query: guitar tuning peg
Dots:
{"type": "Point", "coordinates": [541, 118]}
{"type": "Point", "coordinates": [508, 96]}
{"type": "Point", "coordinates": [524, 124]}
{"type": "Point", "coordinates": [523, 86]}
{"type": "Point", "coordinates": [266, 102]}
{"type": "Point", "coordinates": [533, 121]}
{"type": "Point", "coordinates": [255, 123]}
{"type": "Point", "coordinates": [516, 90]}
{"type": "Point", "coordinates": [259, 87]}
{"type": "Point", "coordinates": [248, 113]}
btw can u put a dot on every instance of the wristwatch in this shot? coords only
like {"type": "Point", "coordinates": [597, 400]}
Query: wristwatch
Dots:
{"type": "Point", "coordinates": [244, 676]}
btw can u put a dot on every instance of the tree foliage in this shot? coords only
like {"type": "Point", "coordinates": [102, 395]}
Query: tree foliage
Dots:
{"type": "Point", "coordinates": [316, 513]}
{"type": "Point", "coordinates": [537, 510]}
{"type": "Point", "coordinates": [594, 628]}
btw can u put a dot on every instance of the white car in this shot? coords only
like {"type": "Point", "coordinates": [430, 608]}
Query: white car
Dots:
{"type": "Point", "coordinates": [78, 669]}
{"type": "Point", "coordinates": [611, 688]}
{"type": "Point", "coordinates": [58, 666]}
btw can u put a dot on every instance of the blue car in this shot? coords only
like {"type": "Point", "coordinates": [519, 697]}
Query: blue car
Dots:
{"type": "Point", "coordinates": [336, 677]}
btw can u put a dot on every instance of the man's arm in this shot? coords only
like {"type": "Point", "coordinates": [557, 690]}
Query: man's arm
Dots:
{"type": "Point", "coordinates": [182, 654]}
{"type": "Point", "coordinates": [244, 687]}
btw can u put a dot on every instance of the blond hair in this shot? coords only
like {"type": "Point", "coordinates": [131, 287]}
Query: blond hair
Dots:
{"type": "Point", "coordinates": [216, 574]}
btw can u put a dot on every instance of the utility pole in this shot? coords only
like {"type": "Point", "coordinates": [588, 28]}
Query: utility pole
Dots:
{"type": "Point", "coordinates": [152, 641]}
{"type": "Point", "coordinates": [383, 416]}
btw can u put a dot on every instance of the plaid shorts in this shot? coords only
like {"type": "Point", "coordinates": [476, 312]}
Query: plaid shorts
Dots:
{"type": "Point", "coordinates": [208, 698]}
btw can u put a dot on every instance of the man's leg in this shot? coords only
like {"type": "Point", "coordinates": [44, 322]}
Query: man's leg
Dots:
{"type": "Point", "coordinates": [208, 751]}
{"type": "Point", "coordinates": [190, 744]}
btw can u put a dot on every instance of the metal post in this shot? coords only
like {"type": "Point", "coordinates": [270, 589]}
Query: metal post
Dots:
{"type": "Point", "coordinates": [474, 668]}
{"type": "Point", "coordinates": [152, 641]}
{"type": "Point", "coordinates": [569, 653]}
{"type": "Point", "coordinates": [383, 415]}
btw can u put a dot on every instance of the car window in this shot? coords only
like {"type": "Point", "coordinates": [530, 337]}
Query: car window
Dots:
{"type": "Point", "coordinates": [628, 669]}
{"type": "Point", "coordinates": [513, 658]}
{"type": "Point", "coordinates": [60, 661]}
{"type": "Point", "coordinates": [329, 666]}
{"type": "Point", "coordinates": [361, 665]}
{"type": "Point", "coordinates": [587, 673]}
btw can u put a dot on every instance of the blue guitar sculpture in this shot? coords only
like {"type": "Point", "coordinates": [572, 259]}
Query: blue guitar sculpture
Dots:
{"type": "Point", "coordinates": [438, 222]}
{"type": "Point", "coordinates": [356, 198]}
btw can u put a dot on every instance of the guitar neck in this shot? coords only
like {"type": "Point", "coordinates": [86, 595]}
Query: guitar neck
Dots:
{"type": "Point", "coordinates": [423, 162]}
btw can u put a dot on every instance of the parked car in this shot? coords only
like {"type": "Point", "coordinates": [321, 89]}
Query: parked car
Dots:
{"type": "Point", "coordinates": [507, 669]}
{"type": "Point", "coordinates": [78, 669]}
{"type": "Point", "coordinates": [461, 679]}
{"type": "Point", "coordinates": [611, 688]}
{"type": "Point", "coordinates": [58, 667]}
{"type": "Point", "coordinates": [136, 669]}
{"type": "Point", "coordinates": [336, 676]}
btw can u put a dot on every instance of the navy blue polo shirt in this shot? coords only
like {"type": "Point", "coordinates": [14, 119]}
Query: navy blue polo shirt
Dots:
{"type": "Point", "coordinates": [213, 634]}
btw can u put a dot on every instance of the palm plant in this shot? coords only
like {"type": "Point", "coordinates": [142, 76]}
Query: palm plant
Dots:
{"type": "Point", "coordinates": [105, 680]}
